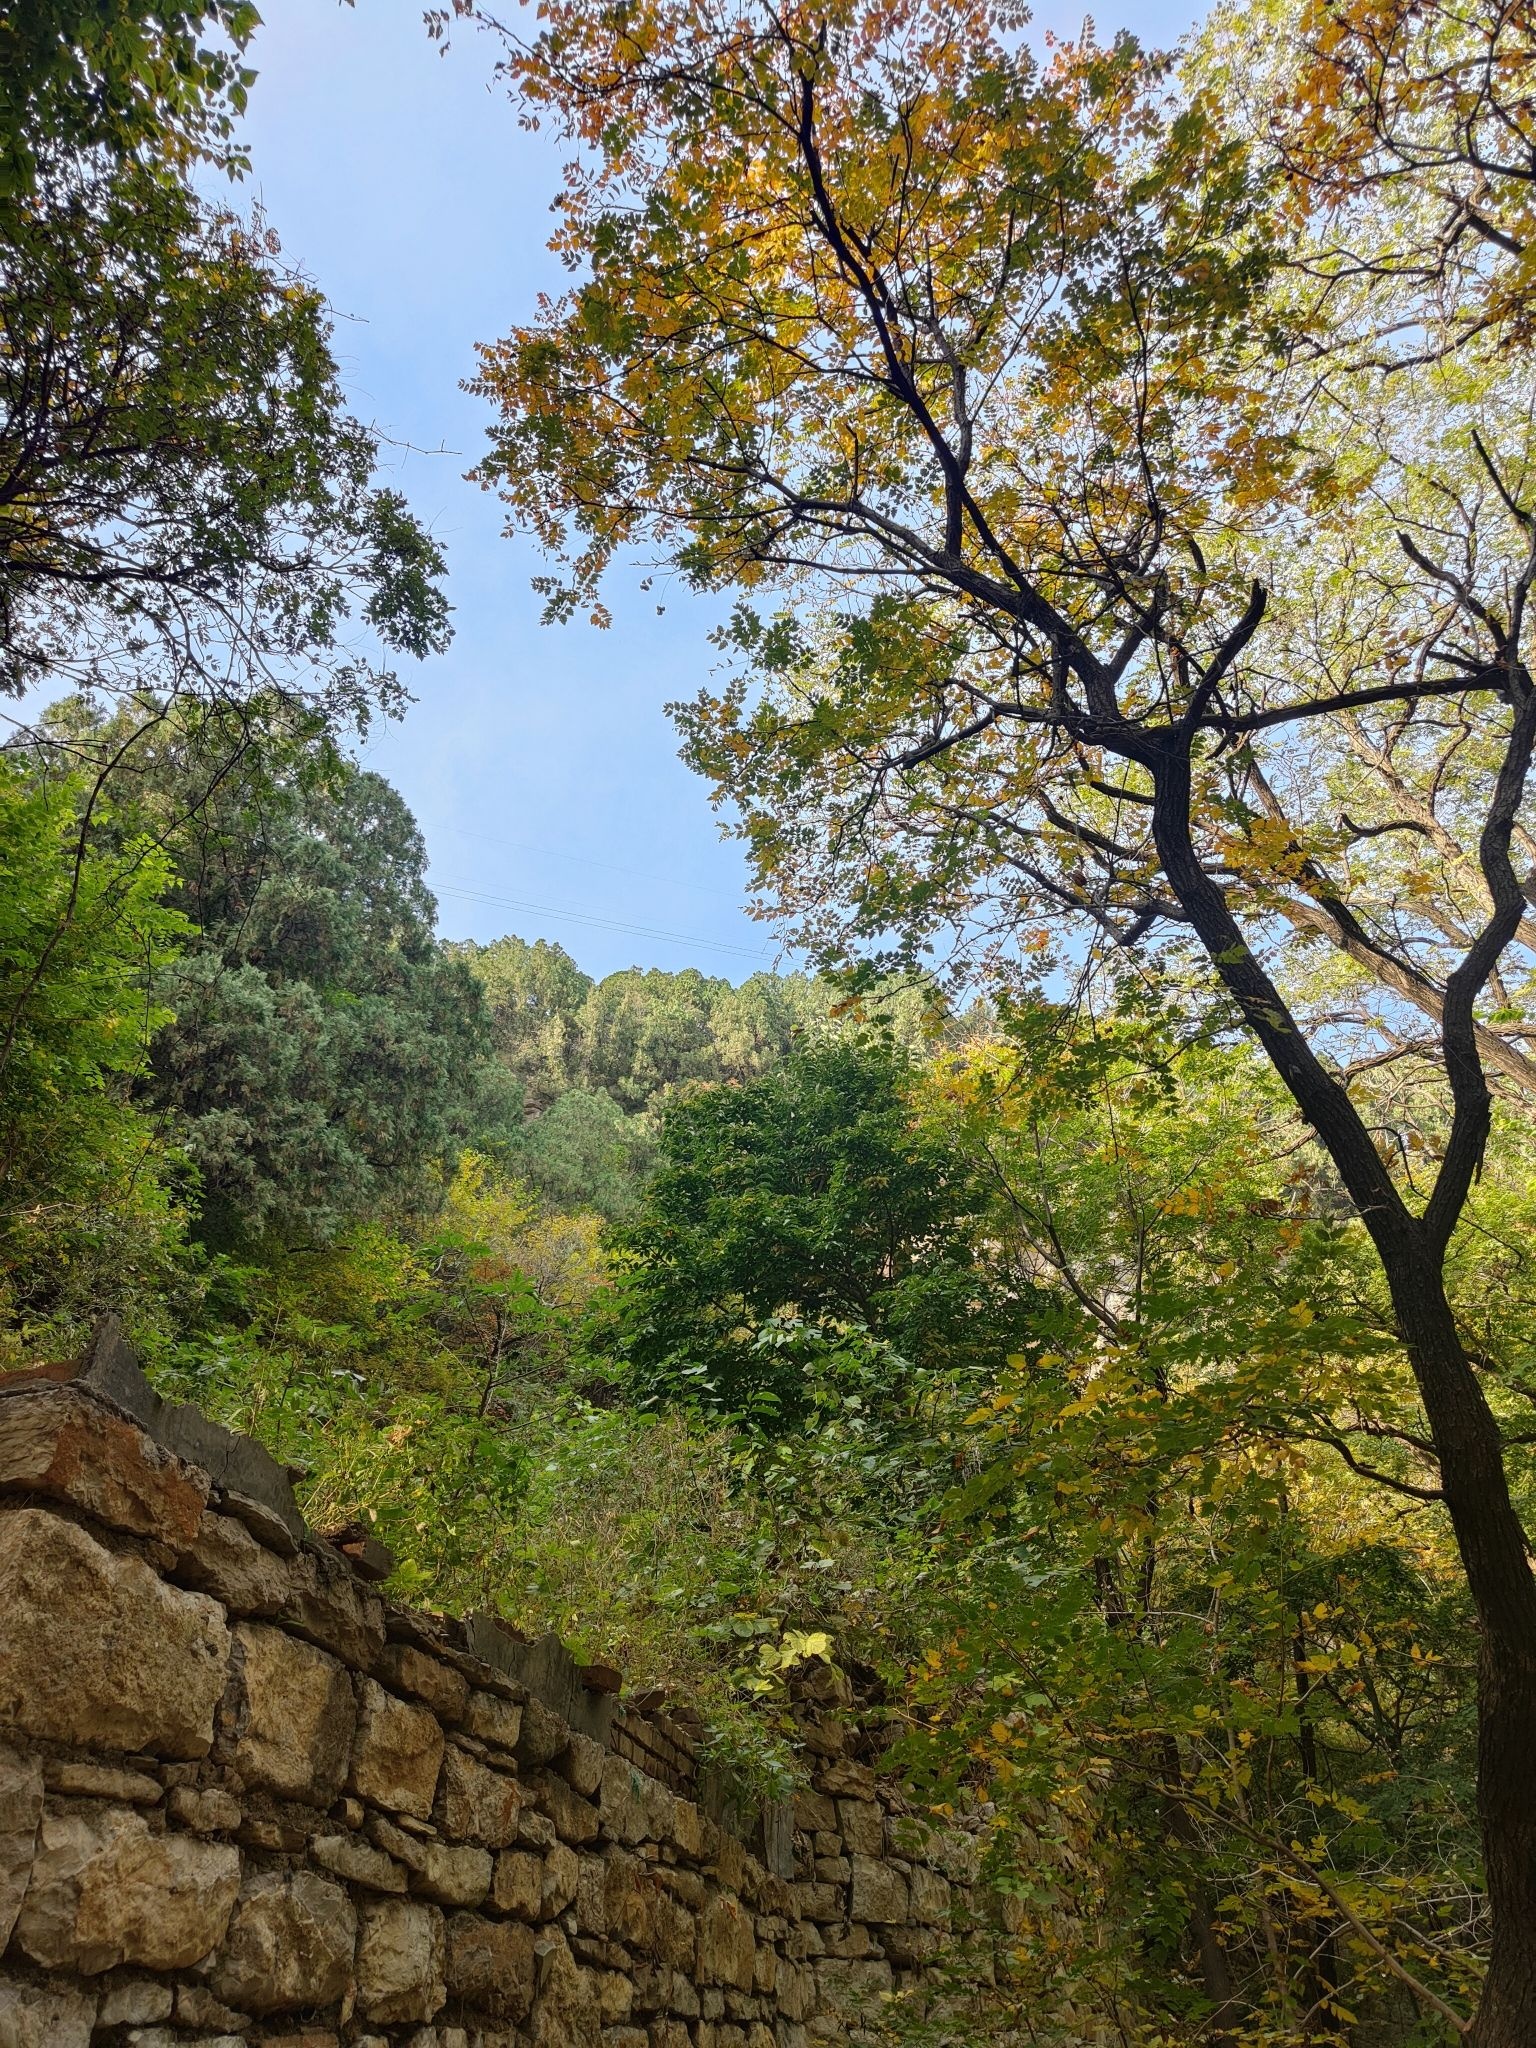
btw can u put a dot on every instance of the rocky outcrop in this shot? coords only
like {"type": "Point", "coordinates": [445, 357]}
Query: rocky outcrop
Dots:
{"type": "Point", "coordinates": [242, 1801]}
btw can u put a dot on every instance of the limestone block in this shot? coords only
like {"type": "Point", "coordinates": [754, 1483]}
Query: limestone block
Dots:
{"type": "Point", "coordinates": [815, 1813]}
{"type": "Point", "coordinates": [685, 1828]}
{"type": "Point", "coordinates": [401, 1958]}
{"type": "Point", "coordinates": [493, 1720]}
{"type": "Point", "coordinates": [298, 1715]}
{"type": "Point", "coordinates": [196, 2006]}
{"type": "Point", "coordinates": [518, 1886]}
{"type": "Point", "coordinates": [581, 1765]}
{"type": "Point", "coordinates": [289, 1946]}
{"type": "Point", "coordinates": [576, 1819]}
{"type": "Point", "coordinates": [490, 1964]}
{"type": "Point", "coordinates": [795, 1990]}
{"type": "Point", "coordinates": [930, 1896]}
{"type": "Point", "coordinates": [105, 1890]}
{"type": "Point", "coordinates": [629, 1902]}
{"type": "Point", "coordinates": [844, 1779]}
{"type": "Point", "coordinates": [102, 1781]}
{"type": "Point", "coordinates": [346, 1856]}
{"type": "Point", "coordinates": [455, 1874]}
{"type": "Point", "coordinates": [478, 1804]}
{"type": "Point", "coordinates": [562, 1873]}
{"type": "Point", "coordinates": [225, 1559]}
{"type": "Point", "coordinates": [207, 1810]}
{"type": "Point", "coordinates": [542, 1737]}
{"type": "Point", "coordinates": [566, 2013]}
{"type": "Point", "coordinates": [134, 2002]}
{"type": "Point", "coordinates": [909, 1947]}
{"type": "Point", "coordinates": [397, 1754]}
{"type": "Point", "coordinates": [615, 2001]}
{"type": "Point", "coordinates": [726, 1943]}
{"type": "Point", "coordinates": [879, 1892]}
{"type": "Point", "coordinates": [862, 1826]}
{"type": "Point", "coordinates": [54, 1442]}
{"type": "Point", "coordinates": [675, 1933]}
{"type": "Point", "coordinates": [325, 1603]}
{"type": "Point", "coordinates": [95, 1649]}
{"type": "Point", "coordinates": [404, 1668]}
{"type": "Point", "coordinates": [39, 2016]}
{"type": "Point", "coordinates": [21, 1810]}
{"type": "Point", "coordinates": [848, 1986]}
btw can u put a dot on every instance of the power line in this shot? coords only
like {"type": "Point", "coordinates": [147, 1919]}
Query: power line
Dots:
{"type": "Point", "coordinates": [609, 924]}
{"type": "Point", "coordinates": [584, 860]}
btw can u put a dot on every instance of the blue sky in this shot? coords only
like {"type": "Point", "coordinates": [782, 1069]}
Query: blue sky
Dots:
{"type": "Point", "coordinates": [538, 759]}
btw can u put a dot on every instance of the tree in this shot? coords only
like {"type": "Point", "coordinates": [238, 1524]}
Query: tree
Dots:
{"type": "Point", "coordinates": [83, 930]}
{"type": "Point", "coordinates": [185, 503]}
{"type": "Point", "coordinates": [815, 1192]}
{"type": "Point", "coordinates": [117, 77]}
{"type": "Point", "coordinates": [991, 372]}
{"type": "Point", "coordinates": [317, 1053]}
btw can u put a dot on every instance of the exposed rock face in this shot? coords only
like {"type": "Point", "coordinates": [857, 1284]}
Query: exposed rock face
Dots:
{"type": "Point", "coordinates": [96, 1649]}
{"type": "Point", "coordinates": [241, 1802]}
{"type": "Point", "coordinates": [105, 1890]}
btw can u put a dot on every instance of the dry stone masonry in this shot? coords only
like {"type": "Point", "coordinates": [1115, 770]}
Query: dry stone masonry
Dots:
{"type": "Point", "coordinates": [242, 1800]}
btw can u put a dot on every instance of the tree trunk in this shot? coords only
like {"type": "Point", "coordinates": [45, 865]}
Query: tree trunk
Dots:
{"type": "Point", "coordinates": [1494, 1551]}
{"type": "Point", "coordinates": [1489, 1534]}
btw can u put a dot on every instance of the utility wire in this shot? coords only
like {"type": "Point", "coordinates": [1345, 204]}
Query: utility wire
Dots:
{"type": "Point", "coordinates": [608, 924]}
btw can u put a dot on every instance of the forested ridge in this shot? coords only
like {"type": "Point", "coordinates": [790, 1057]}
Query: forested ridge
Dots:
{"type": "Point", "coordinates": [1092, 1299]}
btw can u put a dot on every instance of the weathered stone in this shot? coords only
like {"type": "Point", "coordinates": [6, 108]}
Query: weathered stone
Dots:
{"type": "Point", "coordinates": [581, 1765]}
{"type": "Point", "coordinates": [95, 1649]}
{"type": "Point", "coordinates": [326, 1604]}
{"type": "Point", "coordinates": [400, 1961]}
{"type": "Point", "coordinates": [455, 1874]}
{"type": "Point", "coordinates": [196, 2006]}
{"type": "Point", "coordinates": [207, 1810]}
{"type": "Point", "coordinates": [844, 1779]}
{"type": "Point", "coordinates": [404, 1668]}
{"type": "Point", "coordinates": [289, 1946]}
{"type": "Point", "coordinates": [815, 1813]}
{"type": "Point", "coordinates": [566, 2013]}
{"type": "Point", "coordinates": [134, 2002]}
{"type": "Point", "coordinates": [576, 1819]}
{"type": "Point", "coordinates": [21, 1810]}
{"type": "Point", "coordinates": [397, 1754]}
{"type": "Point", "coordinates": [55, 1443]}
{"type": "Point", "coordinates": [477, 1803]}
{"type": "Point", "coordinates": [494, 1720]}
{"type": "Point", "coordinates": [297, 1716]}
{"type": "Point", "coordinates": [726, 1943]}
{"type": "Point", "coordinates": [562, 1874]}
{"type": "Point", "coordinates": [346, 1856]}
{"type": "Point", "coordinates": [225, 1559]}
{"type": "Point", "coordinates": [105, 1890]}
{"type": "Point", "coordinates": [39, 2016]}
{"type": "Point", "coordinates": [542, 1737]}
{"type": "Point", "coordinates": [879, 1892]}
{"type": "Point", "coordinates": [102, 1781]}
{"type": "Point", "coordinates": [518, 1886]}
{"type": "Point", "coordinates": [929, 1895]}
{"type": "Point", "coordinates": [862, 1826]}
{"type": "Point", "coordinates": [491, 1965]}
{"type": "Point", "coordinates": [848, 1986]}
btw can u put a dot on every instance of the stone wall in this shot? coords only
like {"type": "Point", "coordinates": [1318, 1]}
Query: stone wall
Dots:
{"type": "Point", "coordinates": [243, 1800]}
